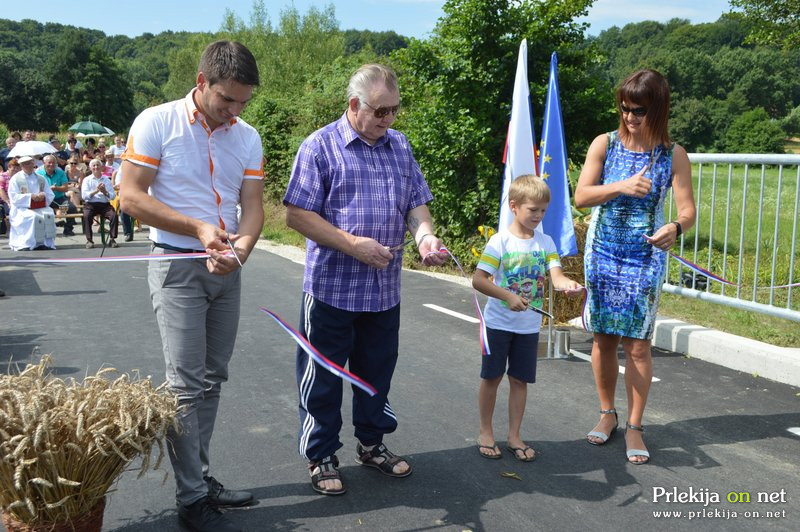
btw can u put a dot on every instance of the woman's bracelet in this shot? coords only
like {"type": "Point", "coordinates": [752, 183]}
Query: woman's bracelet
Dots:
{"type": "Point", "coordinates": [419, 242]}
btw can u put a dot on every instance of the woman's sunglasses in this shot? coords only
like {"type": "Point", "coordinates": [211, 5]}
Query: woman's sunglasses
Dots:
{"type": "Point", "coordinates": [636, 111]}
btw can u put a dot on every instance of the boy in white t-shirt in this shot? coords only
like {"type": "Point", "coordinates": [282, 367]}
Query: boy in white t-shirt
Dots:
{"type": "Point", "coordinates": [512, 271]}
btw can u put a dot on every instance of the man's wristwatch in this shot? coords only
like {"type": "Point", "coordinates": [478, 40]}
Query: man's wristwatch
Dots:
{"type": "Point", "coordinates": [423, 238]}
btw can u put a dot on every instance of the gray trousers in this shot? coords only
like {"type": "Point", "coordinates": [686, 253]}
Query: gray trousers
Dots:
{"type": "Point", "coordinates": [197, 314]}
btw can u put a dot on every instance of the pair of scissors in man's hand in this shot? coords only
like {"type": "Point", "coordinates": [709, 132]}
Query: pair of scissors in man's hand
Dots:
{"type": "Point", "coordinates": [401, 246]}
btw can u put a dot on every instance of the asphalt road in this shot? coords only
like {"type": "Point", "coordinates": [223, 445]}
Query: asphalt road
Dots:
{"type": "Point", "coordinates": [709, 429]}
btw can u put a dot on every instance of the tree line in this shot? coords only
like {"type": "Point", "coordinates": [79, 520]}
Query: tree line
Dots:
{"type": "Point", "coordinates": [729, 94]}
{"type": "Point", "coordinates": [56, 74]}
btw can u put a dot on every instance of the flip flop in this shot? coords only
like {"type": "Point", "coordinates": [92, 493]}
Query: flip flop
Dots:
{"type": "Point", "coordinates": [524, 451]}
{"type": "Point", "coordinates": [490, 448]}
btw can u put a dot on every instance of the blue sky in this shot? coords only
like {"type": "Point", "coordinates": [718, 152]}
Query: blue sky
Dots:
{"type": "Point", "coordinates": [415, 18]}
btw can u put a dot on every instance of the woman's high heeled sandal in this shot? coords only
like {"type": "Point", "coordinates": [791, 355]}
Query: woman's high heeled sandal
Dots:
{"type": "Point", "coordinates": [630, 453]}
{"type": "Point", "coordinates": [602, 435]}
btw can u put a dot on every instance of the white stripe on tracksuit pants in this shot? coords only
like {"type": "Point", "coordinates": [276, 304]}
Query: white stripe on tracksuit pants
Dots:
{"type": "Point", "coordinates": [368, 341]}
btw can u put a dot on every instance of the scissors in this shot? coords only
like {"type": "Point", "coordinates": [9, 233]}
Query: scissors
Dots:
{"type": "Point", "coordinates": [401, 246]}
{"type": "Point", "coordinates": [230, 244]}
{"type": "Point", "coordinates": [542, 312]}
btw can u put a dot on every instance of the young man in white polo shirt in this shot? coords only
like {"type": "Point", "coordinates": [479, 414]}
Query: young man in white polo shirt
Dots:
{"type": "Point", "coordinates": [199, 161]}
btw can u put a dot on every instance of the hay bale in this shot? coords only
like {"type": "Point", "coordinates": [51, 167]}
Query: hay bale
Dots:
{"type": "Point", "coordinates": [566, 308]}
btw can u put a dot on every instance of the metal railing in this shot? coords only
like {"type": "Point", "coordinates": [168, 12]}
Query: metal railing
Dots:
{"type": "Point", "coordinates": [745, 232]}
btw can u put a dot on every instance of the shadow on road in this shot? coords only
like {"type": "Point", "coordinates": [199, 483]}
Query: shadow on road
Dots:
{"type": "Point", "coordinates": [461, 485]}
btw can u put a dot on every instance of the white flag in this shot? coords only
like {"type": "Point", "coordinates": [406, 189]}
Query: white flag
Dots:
{"type": "Point", "coordinates": [519, 157]}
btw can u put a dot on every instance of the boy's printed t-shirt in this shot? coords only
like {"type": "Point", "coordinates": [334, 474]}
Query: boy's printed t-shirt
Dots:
{"type": "Point", "coordinates": [519, 265]}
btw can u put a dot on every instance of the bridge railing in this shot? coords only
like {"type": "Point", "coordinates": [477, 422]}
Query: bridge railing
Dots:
{"type": "Point", "coordinates": [746, 232]}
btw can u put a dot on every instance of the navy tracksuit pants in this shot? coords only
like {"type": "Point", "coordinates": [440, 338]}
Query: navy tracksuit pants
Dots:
{"type": "Point", "coordinates": [368, 341]}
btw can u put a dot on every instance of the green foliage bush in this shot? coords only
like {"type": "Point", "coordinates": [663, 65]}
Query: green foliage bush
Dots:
{"type": "Point", "coordinates": [791, 123]}
{"type": "Point", "coordinates": [754, 132]}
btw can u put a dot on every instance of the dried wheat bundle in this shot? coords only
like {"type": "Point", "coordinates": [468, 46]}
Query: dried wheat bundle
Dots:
{"type": "Point", "coordinates": [566, 308]}
{"type": "Point", "coordinates": [64, 443]}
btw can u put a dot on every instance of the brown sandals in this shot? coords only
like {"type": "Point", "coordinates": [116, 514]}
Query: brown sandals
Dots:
{"type": "Point", "coordinates": [328, 470]}
{"type": "Point", "coordinates": [367, 458]}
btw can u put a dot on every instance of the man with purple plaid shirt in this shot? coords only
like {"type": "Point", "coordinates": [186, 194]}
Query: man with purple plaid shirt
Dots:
{"type": "Point", "coordinates": [355, 190]}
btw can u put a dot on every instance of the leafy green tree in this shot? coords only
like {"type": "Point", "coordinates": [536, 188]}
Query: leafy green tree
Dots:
{"type": "Point", "coordinates": [11, 89]}
{"type": "Point", "coordinates": [771, 22]}
{"type": "Point", "coordinates": [709, 64]}
{"type": "Point", "coordinates": [382, 42]}
{"type": "Point", "coordinates": [86, 83]}
{"type": "Point", "coordinates": [754, 132]}
{"type": "Point", "coordinates": [767, 78]}
{"type": "Point", "coordinates": [183, 66]}
{"type": "Point", "coordinates": [283, 124]}
{"type": "Point", "coordinates": [707, 38]}
{"type": "Point", "coordinates": [304, 72]}
{"type": "Point", "coordinates": [791, 123]}
{"type": "Point", "coordinates": [690, 124]}
{"type": "Point", "coordinates": [457, 89]}
{"type": "Point", "coordinates": [722, 113]}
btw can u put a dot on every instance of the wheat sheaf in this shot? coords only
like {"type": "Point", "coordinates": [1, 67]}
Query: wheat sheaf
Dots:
{"type": "Point", "coordinates": [64, 443]}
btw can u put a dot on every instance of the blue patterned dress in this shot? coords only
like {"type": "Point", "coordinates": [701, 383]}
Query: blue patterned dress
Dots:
{"type": "Point", "coordinates": [624, 272]}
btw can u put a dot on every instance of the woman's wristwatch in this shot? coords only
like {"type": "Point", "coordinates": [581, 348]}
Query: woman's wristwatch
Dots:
{"type": "Point", "coordinates": [680, 229]}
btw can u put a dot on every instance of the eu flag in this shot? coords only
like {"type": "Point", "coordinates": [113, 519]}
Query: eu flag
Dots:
{"type": "Point", "coordinates": [557, 222]}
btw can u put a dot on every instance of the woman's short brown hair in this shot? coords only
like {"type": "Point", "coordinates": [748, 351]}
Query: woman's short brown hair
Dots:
{"type": "Point", "coordinates": [649, 89]}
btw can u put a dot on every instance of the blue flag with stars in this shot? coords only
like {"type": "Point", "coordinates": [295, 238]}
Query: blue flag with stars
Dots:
{"type": "Point", "coordinates": [557, 222]}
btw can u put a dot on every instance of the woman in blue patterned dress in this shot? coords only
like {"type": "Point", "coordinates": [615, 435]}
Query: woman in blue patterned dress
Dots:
{"type": "Point", "coordinates": [625, 179]}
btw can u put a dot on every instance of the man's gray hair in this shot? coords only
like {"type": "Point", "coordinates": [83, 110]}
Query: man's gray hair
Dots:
{"type": "Point", "coordinates": [49, 156]}
{"type": "Point", "coordinates": [363, 79]}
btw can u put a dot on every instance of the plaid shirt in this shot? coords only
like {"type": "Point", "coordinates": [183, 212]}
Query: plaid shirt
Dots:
{"type": "Point", "coordinates": [363, 190]}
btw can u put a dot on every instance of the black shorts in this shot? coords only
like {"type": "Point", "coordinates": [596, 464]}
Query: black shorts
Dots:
{"type": "Point", "coordinates": [516, 351]}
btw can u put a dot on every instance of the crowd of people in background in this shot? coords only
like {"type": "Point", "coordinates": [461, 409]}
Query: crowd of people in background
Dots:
{"type": "Point", "coordinates": [65, 171]}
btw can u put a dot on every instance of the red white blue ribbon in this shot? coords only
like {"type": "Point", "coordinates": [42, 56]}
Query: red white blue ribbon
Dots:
{"type": "Point", "coordinates": [124, 258]}
{"type": "Point", "coordinates": [319, 358]}
{"type": "Point", "coordinates": [483, 338]}
{"type": "Point", "coordinates": [585, 309]}
{"type": "Point", "coordinates": [699, 269]}
{"type": "Point", "coordinates": [714, 277]}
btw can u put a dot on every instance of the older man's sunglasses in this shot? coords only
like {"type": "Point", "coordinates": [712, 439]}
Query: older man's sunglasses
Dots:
{"type": "Point", "coordinates": [381, 112]}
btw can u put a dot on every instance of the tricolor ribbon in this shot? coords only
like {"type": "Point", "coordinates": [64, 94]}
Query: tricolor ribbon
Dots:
{"type": "Point", "coordinates": [319, 358]}
{"type": "Point", "coordinates": [484, 340]}
{"type": "Point", "coordinates": [585, 309]}
{"type": "Point", "coordinates": [714, 277]}
{"type": "Point", "coordinates": [124, 258]}
{"type": "Point", "coordinates": [699, 269]}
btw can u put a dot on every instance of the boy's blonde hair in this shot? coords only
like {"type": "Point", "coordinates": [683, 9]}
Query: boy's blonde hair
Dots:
{"type": "Point", "coordinates": [529, 188]}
